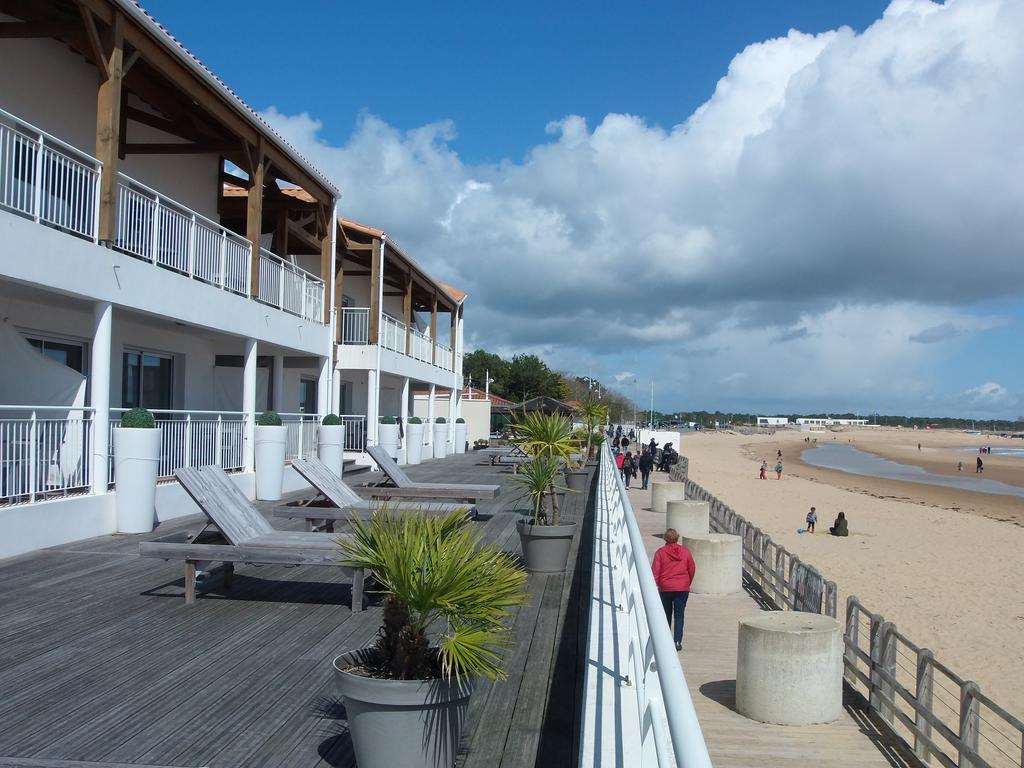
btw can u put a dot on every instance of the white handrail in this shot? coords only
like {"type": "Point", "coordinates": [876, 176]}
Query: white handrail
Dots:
{"type": "Point", "coordinates": [630, 651]}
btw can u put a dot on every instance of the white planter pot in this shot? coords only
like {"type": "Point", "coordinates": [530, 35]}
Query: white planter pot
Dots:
{"type": "Point", "coordinates": [387, 438]}
{"type": "Point", "coordinates": [271, 444]}
{"type": "Point", "coordinates": [330, 447]}
{"type": "Point", "coordinates": [460, 437]}
{"type": "Point", "coordinates": [440, 441]}
{"type": "Point", "coordinates": [413, 443]}
{"type": "Point", "coordinates": [136, 464]}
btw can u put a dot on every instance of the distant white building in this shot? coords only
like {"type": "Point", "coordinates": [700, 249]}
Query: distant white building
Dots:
{"type": "Point", "coordinates": [833, 422]}
{"type": "Point", "coordinates": [772, 421]}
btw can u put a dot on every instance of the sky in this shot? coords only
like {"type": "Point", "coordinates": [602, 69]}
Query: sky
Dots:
{"type": "Point", "coordinates": [774, 207]}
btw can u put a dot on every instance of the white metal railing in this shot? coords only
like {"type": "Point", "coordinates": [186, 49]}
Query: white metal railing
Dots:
{"type": "Point", "coordinates": [290, 288]}
{"type": "Point", "coordinates": [193, 439]}
{"type": "Point", "coordinates": [421, 346]}
{"type": "Point", "coordinates": [355, 431]}
{"type": "Point", "coordinates": [637, 709]}
{"type": "Point", "coordinates": [46, 179]}
{"type": "Point", "coordinates": [444, 357]}
{"type": "Point", "coordinates": [157, 229]}
{"type": "Point", "coordinates": [355, 325]}
{"type": "Point", "coordinates": [301, 435]}
{"type": "Point", "coordinates": [44, 452]}
{"type": "Point", "coordinates": [392, 334]}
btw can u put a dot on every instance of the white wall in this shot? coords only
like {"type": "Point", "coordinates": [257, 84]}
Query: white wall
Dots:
{"type": "Point", "coordinates": [477, 414]}
{"type": "Point", "coordinates": [55, 90]}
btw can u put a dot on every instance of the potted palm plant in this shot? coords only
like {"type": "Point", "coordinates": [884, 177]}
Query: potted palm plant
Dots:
{"type": "Point", "coordinates": [460, 435]}
{"type": "Point", "coordinates": [440, 437]}
{"type": "Point", "coordinates": [414, 440]}
{"type": "Point", "coordinates": [387, 435]}
{"type": "Point", "coordinates": [594, 414]}
{"type": "Point", "coordinates": [330, 443]}
{"type": "Point", "coordinates": [446, 599]}
{"type": "Point", "coordinates": [544, 539]}
{"type": "Point", "coordinates": [136, 466]}
{"type": "Point", "coordinates": [270, 450]}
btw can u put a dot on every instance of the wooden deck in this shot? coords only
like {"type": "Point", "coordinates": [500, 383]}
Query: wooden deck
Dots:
{"type": "Point", "coordinates": [102, 663]}
{"type": "Point", "coordinates": [709, 662]}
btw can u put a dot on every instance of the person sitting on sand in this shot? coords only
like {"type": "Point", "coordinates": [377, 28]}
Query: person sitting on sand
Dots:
{"type": "Point", "coordinates": [840, 528]}
{"type": "Point", "coordinates": [812, 518]}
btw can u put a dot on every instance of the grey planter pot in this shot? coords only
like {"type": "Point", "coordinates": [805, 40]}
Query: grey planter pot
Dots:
{"type": "Point", "coordinates": [545, 547]}
{"type": "Point", "coordinates": [577, 481]}
{"type": "Point", "coordinates": [408, 723]}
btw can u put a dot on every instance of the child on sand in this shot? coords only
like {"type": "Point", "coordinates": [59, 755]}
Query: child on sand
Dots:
{"type": "Point", "coordinates": [812, 518]}
{"type": "Point", "coordinates": [764, 470]}
{"type": "Point", "coordinates": [778, 471]}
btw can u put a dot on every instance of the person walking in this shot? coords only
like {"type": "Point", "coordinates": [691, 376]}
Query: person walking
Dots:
{"type": "Point", "coordinates": [778, 470]}
{"type": "Point", "coordinates": [628, 468]}
{"type": "Point", "coordinates": [812, 518]}
{"type": "Point", "coordinates": [646, 466]}
{"type": "Point", "coordinates": [764, 470]}
{"type": "Point", "coordinates": [673, 569]}
{"type": "Point", "coordinates": [981, 466]}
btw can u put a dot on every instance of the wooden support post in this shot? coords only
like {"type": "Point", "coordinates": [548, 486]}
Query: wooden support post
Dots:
{"type": "Point", "coordinates": [254, 216]}
{"type": "Point", "coordinates": [875, 652]}
{"type": "Point", "coordinates": [887, 692]}
{"type": "Point", "coordinates": [852, 635]}
{"type": "Point", "coordinates": [375, 278]}
{"type": "Point", "coordinates": [190, 582]}
{"type": "Point", "coordinates": [281, 232]}
{"type": "Point", "coordinates": [924, 694]}
{"type": "Point", "coordinates": [433, 330]}
{"type": "Point", "coordinates": [970, 724]}
{"type": "Point", "coordinates": [455, 325]}
{"type": "Point", "coordinates": [407, 312]}
{"type": "Point", "coordinates": [108, 127]}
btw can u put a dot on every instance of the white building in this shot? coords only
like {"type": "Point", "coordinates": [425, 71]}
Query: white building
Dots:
{"type": "Point", "coordinates": [161, 246]}
{"type": "Point", "coordinates": [833, 422]}
{"type": "Point", "coordinates": [772, 421]}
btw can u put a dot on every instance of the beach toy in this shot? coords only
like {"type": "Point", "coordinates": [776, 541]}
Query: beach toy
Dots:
{"type": "Point", "coordinates": [799, 530]}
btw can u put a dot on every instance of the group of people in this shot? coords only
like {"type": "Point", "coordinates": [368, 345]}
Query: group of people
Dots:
{"type": "Point", "coordinates": [644, 462]}
{"type": "Point", "coordinates": [839, 527]}
{"type": "Point", "coordinates": [778, 468]}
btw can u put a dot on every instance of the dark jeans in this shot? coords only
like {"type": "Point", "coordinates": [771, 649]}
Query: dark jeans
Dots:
{"type": "Point", "coordinates": [644, 477]}
{"type": "Point", "coordinates": [675, 602]}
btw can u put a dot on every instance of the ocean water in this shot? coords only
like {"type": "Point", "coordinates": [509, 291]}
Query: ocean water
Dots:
{"type": "Point", "coordinates": [996, 451]}
{"type": "Point", "coordinates": [846, 458]}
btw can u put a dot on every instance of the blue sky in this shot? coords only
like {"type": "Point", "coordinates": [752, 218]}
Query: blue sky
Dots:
{"type": "Point", "coordinates": [775, 206]}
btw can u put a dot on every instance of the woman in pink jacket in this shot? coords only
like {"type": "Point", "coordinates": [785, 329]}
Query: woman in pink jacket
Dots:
{"type": "Point", "coordinates": [673, 573]}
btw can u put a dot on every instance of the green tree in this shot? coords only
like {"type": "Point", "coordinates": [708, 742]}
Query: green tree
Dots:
{"type": "Point", "coordinates": [478, 364]}
{"type": "Point", "coordinates": [529, 377]}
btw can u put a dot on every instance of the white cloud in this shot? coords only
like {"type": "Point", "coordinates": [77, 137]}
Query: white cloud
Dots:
{"type": "Point", "coordinates": [832, 213]}
{"type": "Point", "coordinates": [624, 376]}
{"type": "Point", "coordinates": [988, 393]}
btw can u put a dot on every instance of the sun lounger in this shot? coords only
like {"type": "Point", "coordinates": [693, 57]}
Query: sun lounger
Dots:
{"type": "Point", "coordinates": [242, 535]}
{"type": "Point", "coordinates": [405, 487]}
{"type": "Point", "coordinates": [346, 502]}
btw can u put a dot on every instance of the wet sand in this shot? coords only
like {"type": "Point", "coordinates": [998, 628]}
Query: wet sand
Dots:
{"type": "Point", "coordinates": [945, 565]}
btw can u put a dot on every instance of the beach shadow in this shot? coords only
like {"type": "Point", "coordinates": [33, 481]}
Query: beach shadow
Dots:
{"type": "Point", "coordinates": [721, 691]}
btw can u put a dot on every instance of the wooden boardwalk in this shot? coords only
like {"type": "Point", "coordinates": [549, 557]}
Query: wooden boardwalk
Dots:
{"type": "Point", "coordinates": [709, 662]}
{"type": "Point", "coordinates": [102, 663]}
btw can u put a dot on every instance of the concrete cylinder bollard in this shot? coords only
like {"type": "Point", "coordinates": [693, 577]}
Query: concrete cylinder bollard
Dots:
{"type": "Point", "coordinates": [665, 491]}
{"type": "Point", "coordinates": [689, 517]}
{"type": "Point", "coordinates": [719, 561]}
{"type": "Point", "coordinates": [789, 668]}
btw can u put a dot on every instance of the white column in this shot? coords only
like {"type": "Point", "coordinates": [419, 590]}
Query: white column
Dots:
{"type": "Point", "coordinates": [249, 405]}
{"type": "Point", "coordinates": [99, 367]}
{"type": "Point", "coordinates": [335, 390]}
{"type": "Point", "coordinates": [430, 415]}
{"type": "Point", "coordinates": [372, 406]}
{"type": "Point", "coordinates": [323, 387]}
{"type": "Point", "coordinates": [451, 417]}
{"type": "Point", "coordinates": [278, 385]}
{"type": "Point", "coordinates": [405, 413]}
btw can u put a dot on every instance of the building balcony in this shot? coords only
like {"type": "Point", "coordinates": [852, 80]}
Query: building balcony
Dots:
{"type": "Point", "coordinates": [394, 335]}
{"type": "Point", "coordinates": [56, 185]}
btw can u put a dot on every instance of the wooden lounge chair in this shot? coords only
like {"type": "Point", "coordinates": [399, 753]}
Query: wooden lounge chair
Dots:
{"type": "Point", "coordinates": [401, 485]}
{"type": "Point", "coordinates": [346, 502]}
{"type": "Point", "coordinates": [238, 533]}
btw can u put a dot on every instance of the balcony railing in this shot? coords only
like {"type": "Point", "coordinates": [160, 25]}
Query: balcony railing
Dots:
{"type": "Point", "coordinates": [55, 184]}
{"type": "Point", "coordinates": [47, 180]}
{"type": "Point", "coordinates": [44, 452]}
{"type": "Point", "coordinates": [301, 435]}
{"type": "Point", "coordinates": [636, 704]}
{"type": "Point", "coordinates": [355, 329]}
{"type": "Point", "coordinates": [355, 432]}
{"type": "Point", "coordinates": [193, 439]}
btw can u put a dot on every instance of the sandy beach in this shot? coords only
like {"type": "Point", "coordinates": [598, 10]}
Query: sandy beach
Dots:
{"type": "Point", "coordinates": [943, 564]}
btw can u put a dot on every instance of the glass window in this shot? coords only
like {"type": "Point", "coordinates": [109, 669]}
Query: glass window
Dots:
{"type": "Point", "coordinates": [67, 353]}
{"type": "Point", "coordinates": [307, 396]}
{"type": "Point", "coordinates": [147, 381]}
